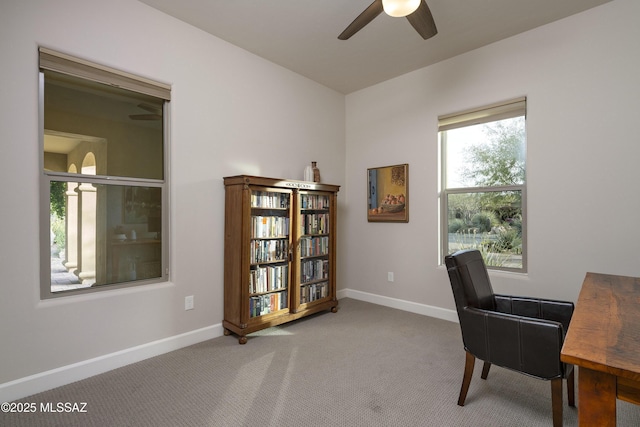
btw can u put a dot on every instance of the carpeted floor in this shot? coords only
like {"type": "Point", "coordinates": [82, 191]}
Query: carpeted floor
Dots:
{"type": "Point", "coordinates": [366, 365]}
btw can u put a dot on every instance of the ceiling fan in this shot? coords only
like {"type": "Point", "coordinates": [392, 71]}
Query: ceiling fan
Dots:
{"type": "Point", "coordinates": [416, 11]}
{"type": "Point", "coordinates": [156, 113]}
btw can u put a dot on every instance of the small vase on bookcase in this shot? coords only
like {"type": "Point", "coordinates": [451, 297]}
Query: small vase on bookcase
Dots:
{"type": "Point", "coordinates": [316, 172]}
{"type": "Point", "coordinates": [308, 173]}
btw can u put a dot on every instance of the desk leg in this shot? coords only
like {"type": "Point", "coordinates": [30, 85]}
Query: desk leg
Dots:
{"type": "Point", "coordinates": [597, 398]}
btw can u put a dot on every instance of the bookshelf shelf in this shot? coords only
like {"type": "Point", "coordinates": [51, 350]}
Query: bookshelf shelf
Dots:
{"type": "Point", "coordinates": [280, 257]}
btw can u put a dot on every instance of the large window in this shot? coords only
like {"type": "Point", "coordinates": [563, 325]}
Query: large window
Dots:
{"type": "Point", "coordinates": [104, 188]}
{"type": "Point", "coordinates": [483, 192]}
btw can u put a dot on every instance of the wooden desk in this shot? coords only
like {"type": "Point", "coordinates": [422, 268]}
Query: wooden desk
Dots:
{"type": "Point", "coordinates": [604, 342]}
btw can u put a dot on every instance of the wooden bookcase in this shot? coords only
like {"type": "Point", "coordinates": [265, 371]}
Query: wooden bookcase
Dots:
{"type": "Point", "coordinates": [280, 252]}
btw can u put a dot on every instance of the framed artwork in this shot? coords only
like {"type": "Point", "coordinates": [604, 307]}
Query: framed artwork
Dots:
{"type": "Point", "coordinates": [388, 194]}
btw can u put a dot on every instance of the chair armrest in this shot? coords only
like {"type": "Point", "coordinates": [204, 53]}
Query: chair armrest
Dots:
{"type": "Point", "coordinates": [540, 308]}
{"type": "Point", "coordinates": [528, 345]}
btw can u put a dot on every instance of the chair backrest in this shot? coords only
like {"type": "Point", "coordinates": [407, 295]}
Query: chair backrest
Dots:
{"type": "Point", "coordinates": [470, 280]}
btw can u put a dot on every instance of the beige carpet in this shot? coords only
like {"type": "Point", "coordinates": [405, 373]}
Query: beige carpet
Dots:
{"type": "Point", "coordinates": [366, 365]}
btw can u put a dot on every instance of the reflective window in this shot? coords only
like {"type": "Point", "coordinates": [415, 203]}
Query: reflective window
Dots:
{"type": "Point", "coordinates": [104, 180]}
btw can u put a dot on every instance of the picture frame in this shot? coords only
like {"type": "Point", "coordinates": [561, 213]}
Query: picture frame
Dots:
{"type": "Point", "coordinates": [388, 193]}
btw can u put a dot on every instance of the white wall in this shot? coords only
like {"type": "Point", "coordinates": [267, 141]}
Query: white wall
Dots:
{"type": "Point", "coordinates": [581, 79]}
{"type": "Point", "coordinates": [232, 113]}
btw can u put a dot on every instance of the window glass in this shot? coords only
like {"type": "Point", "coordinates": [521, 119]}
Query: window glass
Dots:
{"type": "Point", "coordinates": [490, 222]}
{"type": "Point", "coordinates": [486, 155]}
{"type": "Point", "coordinates": [104, 234]}
{"type": "Point", "coordinates": [123, 128]}
{"type": "Point", "coordinates": [483, 194]}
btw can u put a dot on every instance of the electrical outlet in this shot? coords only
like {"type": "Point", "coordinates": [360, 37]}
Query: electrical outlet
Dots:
{"type": "Point", "coordinates": [188, 302]}
{"type": "Point", "coordinates": [390, 276]}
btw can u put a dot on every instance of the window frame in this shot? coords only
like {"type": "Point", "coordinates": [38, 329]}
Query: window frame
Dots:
{"type": "Point", "coordinates": [82, 69]}
{"type": "Point", "coordinates": [490, 113]}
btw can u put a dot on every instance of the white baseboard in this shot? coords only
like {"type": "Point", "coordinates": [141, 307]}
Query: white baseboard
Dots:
{"type": "Point", "coordinates": [412, 307]}
{"type": "Point", "coordinates": [43, 381]}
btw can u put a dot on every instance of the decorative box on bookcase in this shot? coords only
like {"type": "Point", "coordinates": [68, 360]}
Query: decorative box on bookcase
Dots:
{"type": "Point", "coordinates": [279, 256]}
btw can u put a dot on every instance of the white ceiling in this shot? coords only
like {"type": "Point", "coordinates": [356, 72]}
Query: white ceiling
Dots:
{"type": "Point", "coordinates": [301, 35]}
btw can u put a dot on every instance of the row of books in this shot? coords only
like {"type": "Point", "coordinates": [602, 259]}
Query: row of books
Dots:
{"type": "Point", "coordinates": [314, 292]}
{"type": "Point", "coordinates": [314, 223]}
{"type": "Point", "coordinates": [267, 279]}
{"type": "Point", "coordinates": [265, 304]}
{"type": "Point", "coordinates": [269, 226]}
{"type": "Point", "coordinates": [314, 269]}
{"type": "Point", "coordinates": [314, 246]}
{"type": "Point", "coordinates": [314, 201]}
{"type": "Point", "coordinates": [267, 199]}
{"type": "Point", "coordinates": [268, 250]}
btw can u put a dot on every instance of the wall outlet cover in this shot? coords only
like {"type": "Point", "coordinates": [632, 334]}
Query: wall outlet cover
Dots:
{"type": "Point", "coordinates": [188, 302]}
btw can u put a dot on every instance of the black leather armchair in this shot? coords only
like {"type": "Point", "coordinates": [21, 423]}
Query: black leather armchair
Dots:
{"type": "Point", "coordinates": [522, 334]}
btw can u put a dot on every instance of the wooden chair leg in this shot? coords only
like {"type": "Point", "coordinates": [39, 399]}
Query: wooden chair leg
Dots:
{"type": "Point", "coordinates": [556, 401]}
{"type": "Point", "coordinates": [470, 362]}
{"type": "Point", "coordinates": [485, 370]}
{"type": "Point", "coordinates": [571, 388]}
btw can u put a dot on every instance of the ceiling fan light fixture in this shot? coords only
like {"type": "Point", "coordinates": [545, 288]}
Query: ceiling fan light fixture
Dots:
{"type": "Point", "coordinates": [400, 8]}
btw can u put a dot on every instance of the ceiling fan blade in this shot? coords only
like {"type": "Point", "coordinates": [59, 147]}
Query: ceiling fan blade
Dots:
{"type": "Point", "coordinates": [369, 14]}
{"type": "Point", "coordinates": [422, 21]}
{"type": "Point", "coordinates": [145, 117]}
{"type": "Point", "coordinates": [150, 108]}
